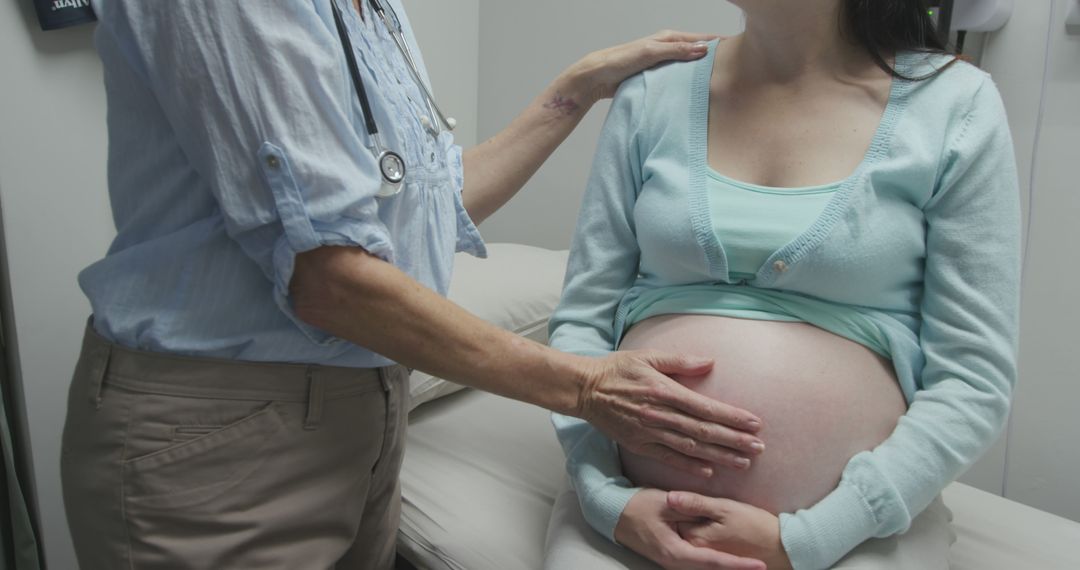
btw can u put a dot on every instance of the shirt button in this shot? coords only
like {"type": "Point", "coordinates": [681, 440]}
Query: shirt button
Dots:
{"type": "Point", "coordinates": [780, 265]}
{"type": "Point", "coordinates": [273, 162]}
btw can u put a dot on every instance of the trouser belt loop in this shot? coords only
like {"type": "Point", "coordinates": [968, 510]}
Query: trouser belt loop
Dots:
{"type": "Point", "coordinates": [99, 367]}
{"type": "Point", "coordinates": [384, 378]}
{"type": "Point", "coordinates": [314, 400]}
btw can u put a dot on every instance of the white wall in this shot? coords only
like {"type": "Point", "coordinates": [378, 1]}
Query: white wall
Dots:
{"type": "Point", "coordinates": [448, 34]}
{"type": "Point", "coordinates": [56, 220]}
{"type": "Point", "coordinates": [518, 60]}
{"type": "Point", "coordinates": [54, 205]}
{"type": "Point", "coordinates": [1043, 467]}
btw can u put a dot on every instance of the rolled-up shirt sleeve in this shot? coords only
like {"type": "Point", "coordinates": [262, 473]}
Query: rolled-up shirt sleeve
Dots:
{"type": "Point", "coordinates": [261, 102]}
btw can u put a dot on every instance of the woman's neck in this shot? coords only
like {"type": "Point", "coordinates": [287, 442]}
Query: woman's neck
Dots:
{"type": "Point", "coordinates": [788, 42]}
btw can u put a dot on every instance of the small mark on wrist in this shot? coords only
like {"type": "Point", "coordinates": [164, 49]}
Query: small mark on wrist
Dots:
{"type": "Point", "coordinates": [563, 105]}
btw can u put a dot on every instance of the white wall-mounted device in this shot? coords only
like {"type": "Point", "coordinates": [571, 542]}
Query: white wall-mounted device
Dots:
{"type": "Point", "coordinates": [981, 15]}
{"type": "Point", "coordinates": [1072, 18]}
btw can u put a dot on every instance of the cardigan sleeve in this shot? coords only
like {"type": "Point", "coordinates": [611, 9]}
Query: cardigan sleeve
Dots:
{"type": "Point", "coordinates": [602, 267]}
{"type": "Point", "coordinates": [968, 337]}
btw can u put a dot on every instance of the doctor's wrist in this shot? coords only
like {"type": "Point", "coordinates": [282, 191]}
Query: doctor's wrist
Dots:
{"type": "Point", "coordinates": [594, 77]}
{"type": "Point", "coordinates": [574, 377]}
{"type": "Point", "coordinates": [574, 91]}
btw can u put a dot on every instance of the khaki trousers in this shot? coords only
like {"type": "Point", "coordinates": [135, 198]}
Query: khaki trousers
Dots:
{"type": "Point", "coordinates": [173, 463]}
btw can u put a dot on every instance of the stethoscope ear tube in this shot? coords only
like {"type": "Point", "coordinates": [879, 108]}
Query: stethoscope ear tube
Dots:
{"type": "Point", "coordinates": [438, 119]}
{"type": "Point", "coordinates": [393, 25]}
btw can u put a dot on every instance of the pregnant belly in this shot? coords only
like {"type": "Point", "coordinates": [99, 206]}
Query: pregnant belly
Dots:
{"type": "Point", "coordinates": [822, 399]}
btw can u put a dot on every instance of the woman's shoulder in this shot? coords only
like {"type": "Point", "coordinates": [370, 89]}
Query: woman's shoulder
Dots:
{"type": "Point", "coordinates": [658, 98]}
{"type": "Point", "coordinates": [945, 94]}
{"type": "Point", "coordinates": [666, 86]}
{"type": "Point", "coordinates": [945, 80]}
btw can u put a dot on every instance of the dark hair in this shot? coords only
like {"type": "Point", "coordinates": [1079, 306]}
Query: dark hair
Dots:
{"type": "Point", "coordinates": [884, 27]}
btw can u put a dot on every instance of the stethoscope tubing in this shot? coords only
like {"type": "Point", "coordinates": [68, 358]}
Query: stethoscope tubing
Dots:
{"type": "Point", "coordinates": [391, 166]}
{"type": "Point", "coordinates": [439, 117]}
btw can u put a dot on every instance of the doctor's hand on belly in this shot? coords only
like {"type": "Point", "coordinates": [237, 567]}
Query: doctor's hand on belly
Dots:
{"type": "Point", "coordinates": [628, 395]}
{"type": "Point", "coordinates": [631, 399]}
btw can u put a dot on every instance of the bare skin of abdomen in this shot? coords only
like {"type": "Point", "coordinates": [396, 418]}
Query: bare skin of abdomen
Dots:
{"type": "Point", "coordinates": [822, 399]}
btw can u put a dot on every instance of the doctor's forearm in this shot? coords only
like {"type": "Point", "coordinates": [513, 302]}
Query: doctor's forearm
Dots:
{"type": "Point", "coordinates": [628, 395]}
{"type": "Point", "coordinates": [498, 168]}
{"type": "Point", "coordinates": [360, 298]}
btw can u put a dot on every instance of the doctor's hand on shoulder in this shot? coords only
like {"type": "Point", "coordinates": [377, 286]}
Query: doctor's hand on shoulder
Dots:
{"type": "Point", "coordinates": [496, 169]}
{"type": "Point", "coordinates": [605, 69]}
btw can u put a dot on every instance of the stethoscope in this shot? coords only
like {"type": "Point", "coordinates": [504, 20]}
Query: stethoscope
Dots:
{"type": "Point", "coordinates": [391, 165]}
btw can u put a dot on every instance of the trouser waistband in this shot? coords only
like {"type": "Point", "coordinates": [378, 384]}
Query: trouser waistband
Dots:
{"type": "Point", "coordinates": [195, 377]}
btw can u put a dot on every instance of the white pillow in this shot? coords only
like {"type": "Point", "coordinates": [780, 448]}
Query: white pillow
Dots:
{"type": "Point", "coordinates": [515, 288]}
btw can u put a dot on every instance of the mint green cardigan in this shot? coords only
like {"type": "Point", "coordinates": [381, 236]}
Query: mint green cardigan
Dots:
{"type": "Point", "coordinates": [923, 238]}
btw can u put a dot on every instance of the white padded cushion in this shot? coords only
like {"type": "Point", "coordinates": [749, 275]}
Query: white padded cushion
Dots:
{"type": "Point", "coordinates": [482, 473]}
{"type": "Point", "coordinates": [479, 479]}
{"type": "Point", "coordinates": [998, 534]}
{"type": "Point", "coordinates": [515, 288]}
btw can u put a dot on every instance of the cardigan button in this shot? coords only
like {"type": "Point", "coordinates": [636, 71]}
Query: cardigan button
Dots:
{"type": "Point", "coordinates": [780, 265]}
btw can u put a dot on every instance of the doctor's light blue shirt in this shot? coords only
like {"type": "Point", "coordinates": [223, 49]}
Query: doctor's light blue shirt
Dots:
{"type": "Point", "coordinates": [235, 142]}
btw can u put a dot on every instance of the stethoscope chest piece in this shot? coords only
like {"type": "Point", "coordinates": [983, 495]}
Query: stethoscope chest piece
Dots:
{"type": "Point", "coordinates": [392, 168]}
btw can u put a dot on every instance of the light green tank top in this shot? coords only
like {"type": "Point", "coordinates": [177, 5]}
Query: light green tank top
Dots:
{"type": "Point", "coordinates": [752, 222]}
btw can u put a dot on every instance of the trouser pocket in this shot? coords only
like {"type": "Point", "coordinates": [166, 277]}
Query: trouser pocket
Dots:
{"type": "Point", "coordinates": [184, 452]}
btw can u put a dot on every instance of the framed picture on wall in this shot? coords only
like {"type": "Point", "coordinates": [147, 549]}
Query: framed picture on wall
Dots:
{"type": "Point", "coordinates": [56, 14]}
